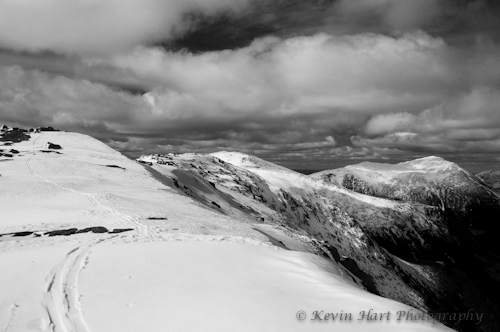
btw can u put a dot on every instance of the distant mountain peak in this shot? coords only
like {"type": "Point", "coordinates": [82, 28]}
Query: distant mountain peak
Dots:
{"type": "Point", "coordinates": [247, 161]}
{"type": "Point", "coordinates": [420, 165]}
{"type": "Point", "coordinates": [431, 163]}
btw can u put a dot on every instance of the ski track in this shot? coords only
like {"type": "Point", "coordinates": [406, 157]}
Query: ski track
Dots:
{"type": "Point", "coordinates": [13, 308]}
{"type": "Point", "coordinates": [61, 300]}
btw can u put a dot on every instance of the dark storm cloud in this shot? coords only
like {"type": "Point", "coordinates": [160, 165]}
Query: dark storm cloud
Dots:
{"type": "Point", "coordinates": [261, 18]}
{"type": "Point", "coordinates": [97, 26]}
{"type": "Point", "coordinates": [457, 21]}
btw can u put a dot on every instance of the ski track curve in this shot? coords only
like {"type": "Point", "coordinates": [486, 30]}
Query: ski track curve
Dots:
{"type": "Point", "coordinates": [61, 299]}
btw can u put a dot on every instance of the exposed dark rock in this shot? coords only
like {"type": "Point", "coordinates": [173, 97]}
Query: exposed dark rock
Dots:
{"type": "Point", "coordinates": [97, 230]}
{"type": "Point", "coordinates": [63, 232]}
{"type": "Point", "coordinates": [157, 218]}
{"type": "Point", "coordinates": [50, 151]}
{"type": "Point", "coordinates": [333, 251]}
{"type": "Point", "coordinates": [367, 279]}
{"type": "Point", "coordinates": [145, 162]}
{"type": "Point", "coordinates": [47, 129]}
{"type": "Point", "coordinates": [14, 135]}
{"type": "Point", "coordinates": [18, 234]}
{"type": "Point", "coordinates": [14, 151]}
{"type": "Point", "coordinates": [115, 166]}
{"type": "Point", "coordinates": [68, 232]}
{"type": "Point", "coordinates": [53, 146]}
{"type": "Point", "coordinates": [215, 204]}
{"type": "Point", "coordinates": [120, 230]}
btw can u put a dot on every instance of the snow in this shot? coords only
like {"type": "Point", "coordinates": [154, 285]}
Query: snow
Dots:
{"type": "Point", "coordinates": [289, 180]}
{"type": "Point", "coordinates": [424, 165]}
{"type": "Point", "coordinates": [194, 270]}
{"type": "Point", "coordinates": [432, 169]}
{"type": "Point", "coordinates": [246, 161]}
{"type": "Point", "coordinates": [421, 165]}
{"type": "Point", "coordinates": [198, 286]}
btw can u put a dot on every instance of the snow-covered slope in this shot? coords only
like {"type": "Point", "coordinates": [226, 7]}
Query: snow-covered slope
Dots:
{"type": "Point", "coordinates": [431, 181]}
{"type": "Point", "coordinates": [91, 241]}
{"type": "Point", "coordinates": [247, 161]}
{"type": "Point", "coordinates": [408, 251]}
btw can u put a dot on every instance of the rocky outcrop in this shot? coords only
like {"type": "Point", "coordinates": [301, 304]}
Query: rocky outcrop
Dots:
{"type": "Point", "coordinates": [13, 135]}
{"type": "Point", "coordinates": [46, 129]}
{"type": "Point", "coordinates": [67, 232]}
{"type": "Point", "coordinates": [8, 154]}
{"type": "Point", "coordinates": [53, 146]}
{"type": "Point", "coordinates": [50, 151]}
{"type": "Point", "coordinates": [145, 162]}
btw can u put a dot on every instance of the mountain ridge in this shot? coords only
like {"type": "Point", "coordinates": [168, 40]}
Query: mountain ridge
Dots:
{"type": "Point", "coordinates": [403, 232]}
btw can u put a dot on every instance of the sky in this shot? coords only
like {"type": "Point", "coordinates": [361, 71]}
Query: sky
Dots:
{"type": "Point", "coordinates": [308, 84]}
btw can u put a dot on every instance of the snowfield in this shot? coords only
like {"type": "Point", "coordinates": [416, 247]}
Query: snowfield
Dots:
{"type": "Point", "coordinates": [90, 241]}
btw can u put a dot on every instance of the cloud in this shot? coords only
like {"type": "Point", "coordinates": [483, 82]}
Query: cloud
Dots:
{"type": "Point", "coordinates": [397, 14]}
{"type": "Point", "coordinates": [466, 122]}
{"type": "Point", "coordinates": [287, 98]}
{"type": "Point", "coordinates": [364, 152]}
{"type": "Point", "coordinates": [33, 98]}
{"type": "Point", "coordinates": [387, 123]}
{"type": "Point", "coordinates": [97, 26]}
{"type": "Point", "coordinates": [362, 73]}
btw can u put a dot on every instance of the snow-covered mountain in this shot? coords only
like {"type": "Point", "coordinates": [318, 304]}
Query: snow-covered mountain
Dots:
{"type": "Point", "coordinates": [409, 250]}
{"type": "Point", "coordinates": [432, 181]}
{"type": "Point", "coordinates": [91, 241]}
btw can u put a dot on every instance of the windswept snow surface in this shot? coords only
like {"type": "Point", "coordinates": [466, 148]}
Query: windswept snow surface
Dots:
{"type": "Point", "coordinates": [247, 161]}
{"type": "Point", "coordinates": [177, 265]}
{"type": "Point", "coordinates": [431, 167]}
{"type": "Point", "coordinates": [283, 178]}
{"type": "Point", "coordinates": [430, 180]}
